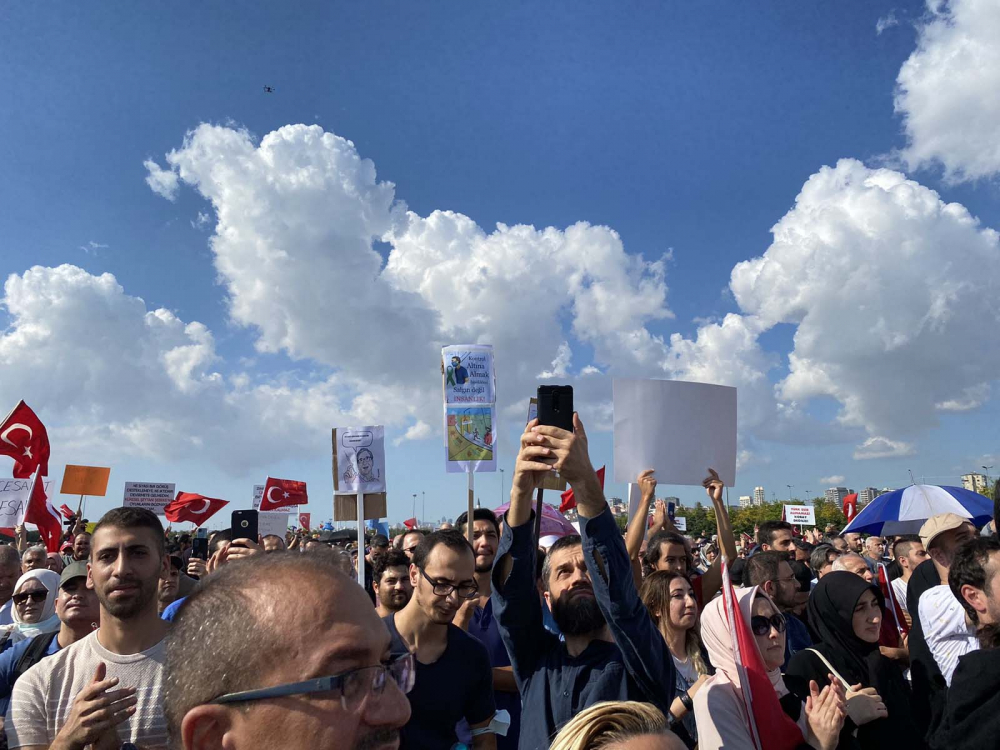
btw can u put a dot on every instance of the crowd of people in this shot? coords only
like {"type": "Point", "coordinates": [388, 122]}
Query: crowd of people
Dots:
{"type": "Point", "coordinates": [478, 637]}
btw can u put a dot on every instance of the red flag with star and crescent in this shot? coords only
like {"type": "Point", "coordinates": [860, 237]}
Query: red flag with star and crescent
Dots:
{"type": "Point", "coordinates": [41, 513]}
{"type": "Point", "coordinates": [280, 493]}
{"type": "Point", "coordinates": [569, 499]}
{"type": "Point", "coordinates": [23, 438]}
{"type": "Point", "coordinates": [850, 506]}
{"type": "Point", "coordinates": [190, 506]}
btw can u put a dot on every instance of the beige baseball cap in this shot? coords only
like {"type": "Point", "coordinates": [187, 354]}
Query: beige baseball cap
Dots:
{"type": "Point", "coordinates": [936, 525]}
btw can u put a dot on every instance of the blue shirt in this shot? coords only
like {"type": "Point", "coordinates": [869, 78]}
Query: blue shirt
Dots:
{"type": "Point", "coordinates": [554, 685]}
{"type": "Point", "coordinates": [9, 660]}
{"type": "Point", "coordinates": [796, 638]}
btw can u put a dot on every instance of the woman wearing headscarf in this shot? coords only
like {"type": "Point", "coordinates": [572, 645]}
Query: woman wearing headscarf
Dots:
{"type": "Point", "coordinates": [846, 612]}
{"type": "Point", "coordinates": [719, 705]}
{"type": "Point", "coordinates": [34, 609]}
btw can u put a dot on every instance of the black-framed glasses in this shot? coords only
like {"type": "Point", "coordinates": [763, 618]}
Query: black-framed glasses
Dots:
{"type": "Point", "coordinates": [354, 686]}
{"type": "Point", "coordinates": [35, 596]}
{"type": "Point", "coordinates": [761, 625]}
{"type": "Point", "coordinates": [465, 590]}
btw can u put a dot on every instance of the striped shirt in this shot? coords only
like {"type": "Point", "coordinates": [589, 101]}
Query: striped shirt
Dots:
{"type": "Point", "coordinates": [43, 697]}
{"type": "Point", "coordinates": [946, 632]}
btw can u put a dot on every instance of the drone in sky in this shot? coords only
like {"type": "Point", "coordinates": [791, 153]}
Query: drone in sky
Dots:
{"type": "Point", "coordinates": [269, 89]}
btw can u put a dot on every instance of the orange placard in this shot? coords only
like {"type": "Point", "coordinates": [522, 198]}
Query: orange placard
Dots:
{"type": "Point", "coordinates": [85, 480]}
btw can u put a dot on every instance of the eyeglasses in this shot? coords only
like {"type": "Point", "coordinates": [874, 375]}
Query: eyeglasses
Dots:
{"type": "Point", "coordinates": [761, 625]}
{"type": "Point", "coordinates": [35, 596]}
{"type": "Point", "coordinates": [354, 686]}
{"type": "Point", "coordinates": [465, 590]}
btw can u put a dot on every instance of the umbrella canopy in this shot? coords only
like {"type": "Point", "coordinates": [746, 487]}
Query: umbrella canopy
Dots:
{"type": "Point", "coordinates": [904, 511]}
{"type": "Point", "coordinates": [553, 522]}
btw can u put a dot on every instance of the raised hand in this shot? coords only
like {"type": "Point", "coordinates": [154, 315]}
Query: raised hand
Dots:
{"type": "Point", "coordinates": [825, 714]}
{"type": "Point", "coordinates": [647, 484]}
{"type": "Point", "coordinates": [713, 486]}
{"type": "Point", "coordinates": [96, 710]}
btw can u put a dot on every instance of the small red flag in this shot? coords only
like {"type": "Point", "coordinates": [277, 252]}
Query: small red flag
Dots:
{"type": "Point", "coordinates": [851, 506]}
{"type": "Point", "coordinates": [280, 493]}
{"type": "Point", "coordinates": [41, 513]}
{"type": "Point", "coordinates": [891, 603]}
{"type": "Point", "coordinates": [190, 506]}
{"type": "Point", "coordinates": [66, 511]}
{"type": "Point", "coordinates": [770, 727]}
{"type": "Point", "coordinates": [304, 520]}
{"type": "Point", "coordinates": [23, 438]}
{"type": "Point", "coordinates": [569, 499]}
{"type": "Point", "coordinates": [410, 523]}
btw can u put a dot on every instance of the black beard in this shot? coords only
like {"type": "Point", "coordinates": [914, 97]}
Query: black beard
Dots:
{"type": "Point", "coordinates": [128, 610]}
{"type": "Point", "coordinates": [577, 615]}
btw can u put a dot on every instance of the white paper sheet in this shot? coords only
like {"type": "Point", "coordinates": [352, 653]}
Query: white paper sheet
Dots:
{"type": "Point", "coordinates": [677, 428]}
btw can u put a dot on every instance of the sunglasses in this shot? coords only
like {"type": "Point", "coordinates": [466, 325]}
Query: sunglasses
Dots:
{"type": "Point", "coordinates": [761, 625]}
{"type": "Point", "coordinates": [35, 596]}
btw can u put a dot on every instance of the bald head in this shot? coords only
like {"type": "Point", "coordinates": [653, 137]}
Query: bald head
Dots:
{"type": "Point", "coordinates": [275, 602]}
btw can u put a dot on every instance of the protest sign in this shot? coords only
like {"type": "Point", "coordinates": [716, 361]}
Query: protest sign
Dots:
{"type": "Point", "coordinates": [14, 495]}
{"type": "Point", "coordinates": [345, 507]}
{"type": "Point", "coordinates": [468, 374]}
{"type": "Point", "coordinates": [359, 458]}
{"type": "Point", "coordinates": [272, 522]}
{"type": "Point", "coordinates": [85, 480]}
{"type": "Point", "coordinates": [681, 523]}
{"type": "Point", "coordinates": [154, 496]}
{"type": "Point", "coordinates": [800, 515]}
{"type": "Point", "coordinates": [679, 429]}
{"type": "Point", "coordinates": [469, 438]}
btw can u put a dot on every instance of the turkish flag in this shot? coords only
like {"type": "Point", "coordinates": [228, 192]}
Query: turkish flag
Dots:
{"type": "Point", "coordinates": [41, 513]}
{"type": "Point", "coordinates": [851, 506]}
{"type": "Point", "coordinates": [66, 511]}
{"type": "Point", "coordinates": [410, 523]}
{"type": "Point", "coordinates": [891, 604]}
{"type": "Point", "coordinates": [279, 493]}
{"type": "Point", "coordinates": [770, 727]}
{"type": "Point", "coordinates": [304, 520]}
{"type": "Point", "coordinates": [190, 506]}
{"type": "Point", "coordinates": [569, 500]}
{"type": "Point", "coordinates": [23, 438]}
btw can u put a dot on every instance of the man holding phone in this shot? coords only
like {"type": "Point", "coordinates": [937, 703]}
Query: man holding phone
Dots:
{"type": "Point", "coordinates": [604, 656]}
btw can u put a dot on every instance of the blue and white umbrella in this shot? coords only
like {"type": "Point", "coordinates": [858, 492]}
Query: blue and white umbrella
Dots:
{"type": "Point", "coordinates": [904, 511]}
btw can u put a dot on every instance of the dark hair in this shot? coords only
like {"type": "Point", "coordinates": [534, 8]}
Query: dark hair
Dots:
{"type": "Point", "coordinates": [394, 558]}
{"type": "Point", "coordinates": [765, 535]}
{"type": "Point", "coordinates": [478, 514]}
{"type": "Point", "coordinates": [218, 539]}
{"type": "Point", "coordinates": [989, 636]}
{"type": "Point", "coordinates": [453, 539]}
{"type": "Point", "coordinates": [819, 558]}
{"type": "Point", "coordinates": [206, 653]}
{"type": "Point", "coordinates": [803, 545]}
{"type": "Point", "coordinates": [996, 501]}
{"type": "Point", "coordinates": [422, 532]}
{"type": "Point", "coordinates": [380, 541]}
{"type": "Point", "coordinates": [570, 540]}
{"type": "Point", "coordinates": [656, 542]}
{"type": "Point", "coordinates": [908, 539]}
{"type": "Point", "coordinates": [134, 518]}
{"type": "Point", "coordinates": [763, 567]}
{"type": "Point", "coordinates": [968, 568]}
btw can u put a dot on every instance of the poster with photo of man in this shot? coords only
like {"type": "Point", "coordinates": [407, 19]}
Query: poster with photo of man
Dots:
{"type": "Point", "coordinates": [360, 459]}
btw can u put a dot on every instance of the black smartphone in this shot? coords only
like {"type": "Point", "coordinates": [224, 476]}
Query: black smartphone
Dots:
{"type": "Point", "coordinates": [199, 548]}
{"type": "Point", "coordinates": [244, 525]}
{"type": "Point", "coordinates": [555, 406]}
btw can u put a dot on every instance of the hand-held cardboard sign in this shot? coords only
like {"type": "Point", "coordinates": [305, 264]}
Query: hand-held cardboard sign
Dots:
{"type": "Point", "coordinates": [679, 429]}
{"type": "Point", "coordinates": [359, 465]}
{"type": "Point", "coordinates": [85, 480]}
{"type": "Point", "coordinates": [469, 408]}
{"type": "Point", "coordinates": [800, 515]}
{"type": "Point", "coordinates": [154, 496]}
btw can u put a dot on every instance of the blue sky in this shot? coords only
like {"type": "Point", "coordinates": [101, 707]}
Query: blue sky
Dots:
{"type": "Point", "coordinates": [689, 129]}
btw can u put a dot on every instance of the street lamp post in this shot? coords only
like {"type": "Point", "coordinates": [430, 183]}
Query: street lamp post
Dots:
{"type": "Point", "coordinates": [414, 515]}
{"type": "Point", "coordinates": [789, 492]}
{"type": "Point", "coordinates": [501, 486]}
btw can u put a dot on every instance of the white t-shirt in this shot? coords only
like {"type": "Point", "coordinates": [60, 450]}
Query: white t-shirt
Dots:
{"type": "Point", "coordinates": [899, 589]}
{"type": "Point", "coordinates": [43, 696]}
{"type": "Point", "coordinates": [946, 632]}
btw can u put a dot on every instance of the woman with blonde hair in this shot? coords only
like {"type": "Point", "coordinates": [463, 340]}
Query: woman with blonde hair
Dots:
{"type": "Point", "coordinates": [617, 725]}
{"type": "Point", "coordinates": [670, 599]}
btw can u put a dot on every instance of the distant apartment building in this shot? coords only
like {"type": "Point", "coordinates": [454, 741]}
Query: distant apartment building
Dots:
{"type": "Point", "coordinates": [836, 495]}
{"type": "Point", "coordinates": [867, 495]}
{"type": "Point", "coordinates": [745, 501]}
{"type": "Point", "coordinates": [974, 482]}
{"type": "Point", "coordinates": [758, 496]}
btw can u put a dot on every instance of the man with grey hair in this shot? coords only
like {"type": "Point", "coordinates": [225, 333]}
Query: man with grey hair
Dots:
{"type": "Point", "coordinates": [33, 558]}
{"type": "Point", "coordinates": [852, 562]}
{"type": "Point", "coordinates": [821, 559]}
{"type": "Point", "coordinates": [10, 571]}
{"type": "Point", "coordinates": [327, 682]}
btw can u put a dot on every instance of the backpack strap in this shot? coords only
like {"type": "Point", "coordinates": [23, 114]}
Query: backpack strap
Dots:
{"type": "Point", "coordinates": [37, 648]}
{"type": "Point", "coordinates": [833, 671]}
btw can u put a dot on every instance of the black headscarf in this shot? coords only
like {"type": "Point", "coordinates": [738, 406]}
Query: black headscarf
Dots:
{"type": "Point", "coordinates": [831, 612]}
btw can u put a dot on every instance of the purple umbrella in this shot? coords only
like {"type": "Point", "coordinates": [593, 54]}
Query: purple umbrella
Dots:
{"type": "Point", "coordinates": [553, 522]}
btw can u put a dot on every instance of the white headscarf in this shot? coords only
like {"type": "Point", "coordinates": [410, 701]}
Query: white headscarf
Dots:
{"type": "Point", "coordinates": [49, 622]}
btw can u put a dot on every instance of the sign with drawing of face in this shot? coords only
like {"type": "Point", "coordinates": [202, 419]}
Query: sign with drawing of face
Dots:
{"type": "Point", "coordinates": [360, 459]}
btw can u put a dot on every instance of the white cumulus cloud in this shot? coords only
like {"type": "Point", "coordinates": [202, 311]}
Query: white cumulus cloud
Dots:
{"type": "Point", "coordinates": [162, 181]}
{"type": "Point", "coordinates": [947, 90]}
{"type": "Point", "coordinates": [881, 447]}
{"type": "Point", "coordinates": [835, 480]}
